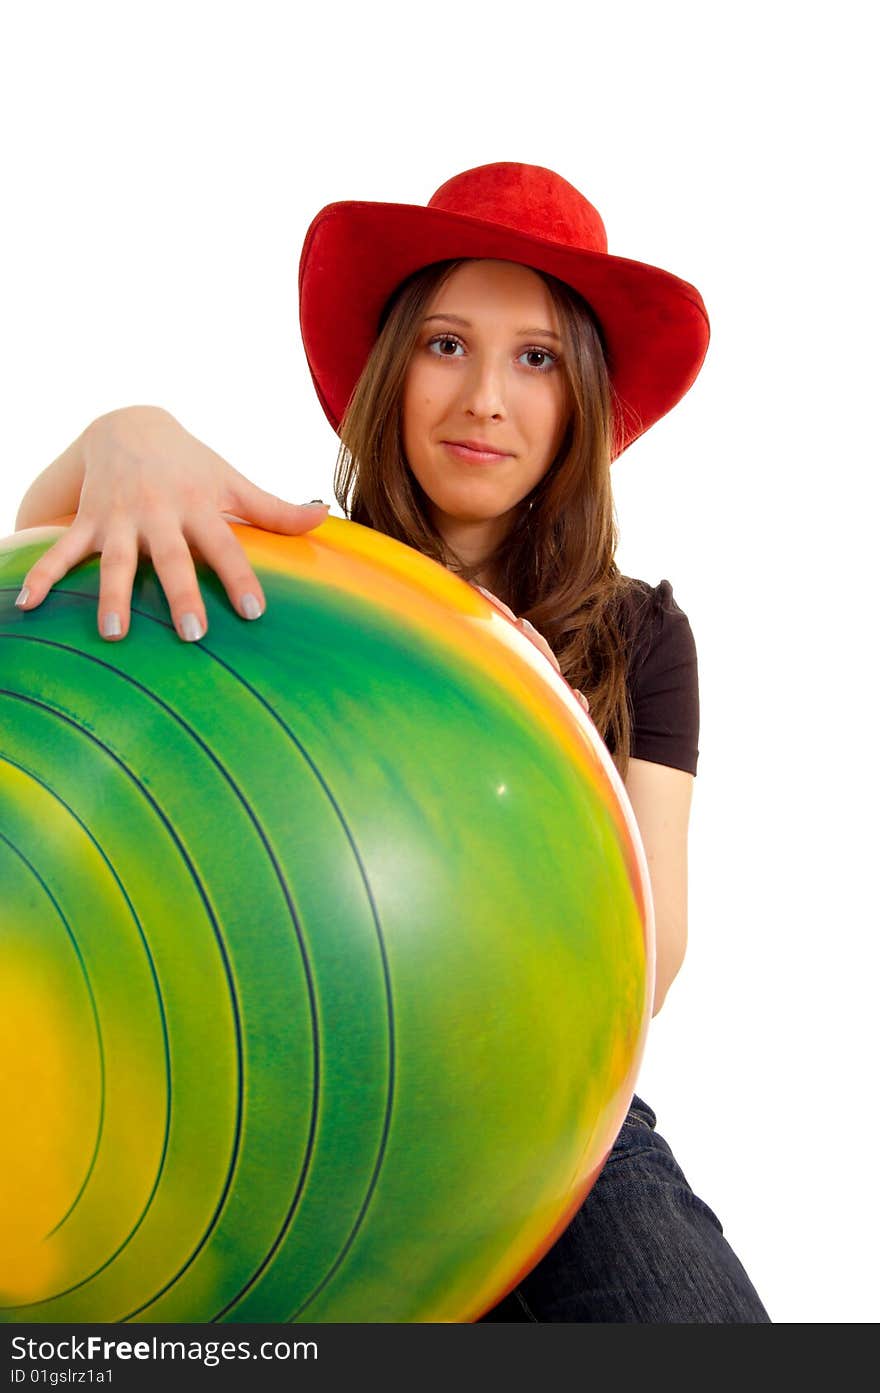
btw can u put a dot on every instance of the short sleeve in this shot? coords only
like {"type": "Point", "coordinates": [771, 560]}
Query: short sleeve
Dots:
{"type": "Point", "coordinates": [663, 683]}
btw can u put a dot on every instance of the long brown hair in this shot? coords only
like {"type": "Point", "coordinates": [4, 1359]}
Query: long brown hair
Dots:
{"type": "Point", "coordinates": [556, 565]}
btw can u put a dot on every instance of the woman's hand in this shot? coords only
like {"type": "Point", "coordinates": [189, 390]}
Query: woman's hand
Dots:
{"type": "Point", "coordinates": [150, 486]}
{"type": "Point", "coordinates": [532, 633]}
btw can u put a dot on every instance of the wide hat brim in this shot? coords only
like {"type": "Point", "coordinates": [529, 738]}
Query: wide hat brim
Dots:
{"type": "Point", "coordinates": [654, 325]}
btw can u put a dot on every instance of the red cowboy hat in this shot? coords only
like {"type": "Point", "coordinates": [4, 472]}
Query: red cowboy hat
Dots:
{"type": "Point", "coordinates": [655, 326]}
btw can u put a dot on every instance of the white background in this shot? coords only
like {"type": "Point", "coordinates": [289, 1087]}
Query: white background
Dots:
{"type": "Point", "coordinates": [160, 165]}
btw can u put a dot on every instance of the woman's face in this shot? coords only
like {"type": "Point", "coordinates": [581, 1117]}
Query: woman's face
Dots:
{"type": "Point", "coordinates": [485, 369]}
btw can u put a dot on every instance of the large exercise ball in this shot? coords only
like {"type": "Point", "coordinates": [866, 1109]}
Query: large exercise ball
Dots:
{"type": "Point", "coordinates": [326, 946]}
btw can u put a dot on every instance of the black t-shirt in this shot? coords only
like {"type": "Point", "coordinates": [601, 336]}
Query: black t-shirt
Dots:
{"type": "Point", "coordinates": [662, 682]}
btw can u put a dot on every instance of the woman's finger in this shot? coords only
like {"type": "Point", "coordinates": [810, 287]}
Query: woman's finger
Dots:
{"type": "Point", "coordinates": [119, 560]}
{"type": "Point", "coordinates": [523, 624]}
{"type": "Point", "coordinates": [494, 600]}
{"type": "Point", "coordinates": [539, 641]}
{"type": "Point", "coordinates": [176, 573]}
{"type": "Point", "coordinates": [71, 548]}
{"type": "Point", "coordinates": [268, 511]}
{"type": "Point", "coordinates": [583, 701]}
{"type": "Point", "coordinates": [222, 551]}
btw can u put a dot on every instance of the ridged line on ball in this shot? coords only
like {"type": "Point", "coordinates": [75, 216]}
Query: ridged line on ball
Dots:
{"type": "Point", "coordinates": [16, 851]}
{"type": "Point", "coordinates": [285, 1227]}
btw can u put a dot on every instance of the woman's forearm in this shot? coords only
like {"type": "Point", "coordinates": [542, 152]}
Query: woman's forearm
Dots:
{"type": "Point", "coordinates": [54, 493]}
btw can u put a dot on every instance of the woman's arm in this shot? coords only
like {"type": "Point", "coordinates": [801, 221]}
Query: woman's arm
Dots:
{"type": "Point", "coordinates": [661, 800]}
{"type": "Point", "coordinates": [137, 481]}
{"type": "Point", "coordinates": [54, 493]}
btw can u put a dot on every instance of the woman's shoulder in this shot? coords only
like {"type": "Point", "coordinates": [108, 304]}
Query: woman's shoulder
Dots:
{"type": "Point", "coordinates": [643, 593]}
{"type": "Point", "coordinates": [662, 677]}
{"type": "Point", "coordinates": [653, 614]}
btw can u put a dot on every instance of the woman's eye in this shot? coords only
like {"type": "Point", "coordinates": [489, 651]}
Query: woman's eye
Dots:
{"type": "Point", "coordinates": [549, 359]}
{"type": "Point", "coordinates": [443, 340]}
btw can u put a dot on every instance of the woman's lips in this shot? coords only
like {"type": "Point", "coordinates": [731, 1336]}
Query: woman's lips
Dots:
{"type": "Point", "coordinates": [475, 456]}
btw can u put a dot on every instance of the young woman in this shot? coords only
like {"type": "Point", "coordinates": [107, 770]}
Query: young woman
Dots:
{"type": "Point", "coordinates": [484, 360]}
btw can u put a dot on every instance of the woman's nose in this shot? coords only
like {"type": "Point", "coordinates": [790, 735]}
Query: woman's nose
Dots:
{"type": "Point", "coordinates": [484, 389]}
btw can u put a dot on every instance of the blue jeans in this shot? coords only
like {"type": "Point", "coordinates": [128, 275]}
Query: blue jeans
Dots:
{"type": "Point", "coordinates": [642, 1249]}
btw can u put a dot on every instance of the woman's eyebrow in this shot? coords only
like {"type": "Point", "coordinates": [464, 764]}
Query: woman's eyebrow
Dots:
{"type": "Point", "coordinates": [466, 324]}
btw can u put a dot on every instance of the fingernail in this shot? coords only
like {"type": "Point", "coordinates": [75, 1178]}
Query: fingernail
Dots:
{"type": "Point", "coordinates": [23, 596]}
{"type": "Point", "coordinates": [315, 500]}
{"type": "Point", "coordinates": [111, 626]}
{"type": "Point", "coordinates": [494, 600]}
{"type": "Point", "coordinates": [526, 625]}
{"type": "Point", "coordinates": [191, 627]}
{"type": "Point", "coordinates": [250, 607]}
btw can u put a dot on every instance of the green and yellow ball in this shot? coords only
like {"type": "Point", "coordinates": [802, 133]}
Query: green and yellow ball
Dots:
{"type": "Point", "coordinates": [326, 946]}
